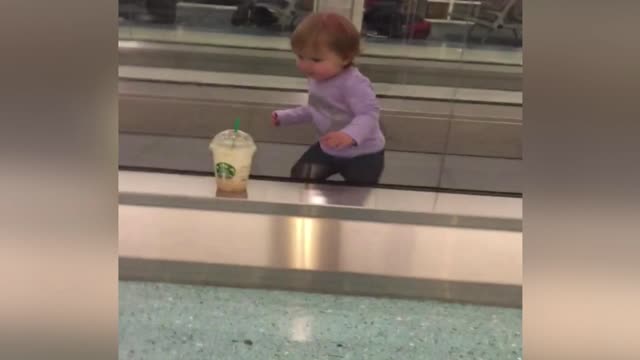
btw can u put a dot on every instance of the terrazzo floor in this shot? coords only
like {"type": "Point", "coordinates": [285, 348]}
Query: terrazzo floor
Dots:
{"type": "Point", "coordinates": [168, 321]}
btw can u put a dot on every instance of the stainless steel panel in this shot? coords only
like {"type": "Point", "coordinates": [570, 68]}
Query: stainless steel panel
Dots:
{"type": "Point", "coordinates": [481, 266]}
{"type": "Point", "coordinates": [259, 126]}
{"type": "Point", "coordinates": [281, 63]}
{"type": "Point", "coordinates": [177, 117]}
{"type": "Point", "coordinates": [288, 83]}
{"type": "Point", "coordinates": [413, 133]}
{"type": "Point", "coordinates": [356, 197]}
{"type": "Point", "coordinates": [270, 98]}
{"type": "Point", "coordinates": [486, 112]}
{"type": "Point", "coordinates": [162, 152]}
{"type": "Point", "coordinates": [501, 175]}
{"type": "Point", "coordinates": [411, 169]}
{"type": "Point", "coordinates": [276, 159]}
{"type": "Point", "coordinates": [192, 154]}
{"type": "Point", "coordinates": [409, 107]}
{"type": "Point", "coordinates": [410, 125]}
{"type": "Point", "coordinates": [363, 199]}
{"type": "Point", "coordinates": [402, 168]}
{"type": "Point", "coordinates": [210, 93]}
{"type": "Point", "coordinates": [482, 138]}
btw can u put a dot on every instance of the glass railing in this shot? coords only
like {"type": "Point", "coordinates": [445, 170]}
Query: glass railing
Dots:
{"type": "Point", "coordinates": [448, 74]}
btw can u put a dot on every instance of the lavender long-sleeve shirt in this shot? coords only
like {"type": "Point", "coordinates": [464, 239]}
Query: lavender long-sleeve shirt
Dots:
{"type": "Point", "coordinates": [346, 103]}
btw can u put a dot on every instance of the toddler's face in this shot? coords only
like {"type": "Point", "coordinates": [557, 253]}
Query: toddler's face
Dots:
{"type": "Point", "coordinates": [320, 64]}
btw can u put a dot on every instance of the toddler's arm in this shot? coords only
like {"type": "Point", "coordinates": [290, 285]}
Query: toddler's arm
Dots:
{"type": "Point", "coordinates": [363, 103]}
{"type": "Point", "coordinates": [293, 116]}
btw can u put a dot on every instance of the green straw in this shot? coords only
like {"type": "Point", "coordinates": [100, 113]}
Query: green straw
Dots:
{"type": "Point", "coordinates": [236, 127]}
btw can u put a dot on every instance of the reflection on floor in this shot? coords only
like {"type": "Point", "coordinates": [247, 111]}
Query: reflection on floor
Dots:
{"type": "Point", "coordinates": [162, 321]}
{"type": "Point", "coordinates": [211, 25]}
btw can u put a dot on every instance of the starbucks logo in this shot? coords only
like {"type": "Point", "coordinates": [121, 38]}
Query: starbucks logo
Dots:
{"type": "Point", "coordinates": [225, 170]}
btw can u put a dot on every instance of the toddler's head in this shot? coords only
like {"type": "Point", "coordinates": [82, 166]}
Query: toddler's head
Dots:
{"type": "Point", "coordinates": [325, 44]}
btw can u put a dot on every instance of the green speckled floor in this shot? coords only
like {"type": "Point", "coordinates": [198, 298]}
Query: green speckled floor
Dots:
{"type": "Point", "coordinates": [165, 321]}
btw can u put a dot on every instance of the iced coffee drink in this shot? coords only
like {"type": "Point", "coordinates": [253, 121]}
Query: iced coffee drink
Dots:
{"type": "Point", "coordinates": [232, 156]}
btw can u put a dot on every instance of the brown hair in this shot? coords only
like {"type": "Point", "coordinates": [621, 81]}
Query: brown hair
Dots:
{"type": "Point", "coordinates": [328, 29]}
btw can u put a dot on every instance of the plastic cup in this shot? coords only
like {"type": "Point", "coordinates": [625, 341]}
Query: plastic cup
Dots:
{"type": "Point", "coordinates": [232, 152]}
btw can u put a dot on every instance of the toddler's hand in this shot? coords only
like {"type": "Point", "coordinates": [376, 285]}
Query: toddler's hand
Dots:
{"type": "Point", "coordinates": [337, 140]}
{"type": "Point", "coordinates": [274, 119]}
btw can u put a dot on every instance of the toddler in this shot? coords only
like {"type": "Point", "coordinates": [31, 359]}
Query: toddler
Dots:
{"type": "Point", "coordinates": [342, 105]}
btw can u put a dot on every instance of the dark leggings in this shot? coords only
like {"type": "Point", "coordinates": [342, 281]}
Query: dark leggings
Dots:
{"type": "Point", "coordinates": [315, 164]}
